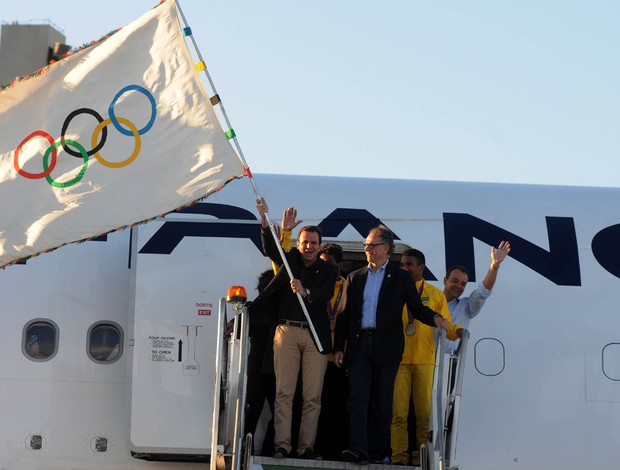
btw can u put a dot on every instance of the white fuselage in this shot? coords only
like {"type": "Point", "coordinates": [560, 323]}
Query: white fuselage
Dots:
{"type": "Point", "coordinates": [542, 381]}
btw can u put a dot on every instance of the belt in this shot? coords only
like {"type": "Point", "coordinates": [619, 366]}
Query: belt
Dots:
{"type": "Point", "coordinates": [298, 324]}
{"type": "Point", "coordinates": [368, 331]}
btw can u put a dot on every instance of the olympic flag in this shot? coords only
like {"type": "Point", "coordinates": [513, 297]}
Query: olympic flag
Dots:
{"type": "Point", "coordinates": [115, 134]}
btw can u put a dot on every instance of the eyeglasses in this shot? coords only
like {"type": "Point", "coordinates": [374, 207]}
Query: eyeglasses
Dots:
{"type": "Point", "coordinates": [371, 246]}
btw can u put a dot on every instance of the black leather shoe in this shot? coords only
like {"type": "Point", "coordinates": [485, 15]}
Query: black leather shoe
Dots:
{"type": "Point", "coordinates": [354, 456]}
{"type": "Point", "coordinates": [280, 453]}
{"type": "Point", "coordinates": [309, 454]}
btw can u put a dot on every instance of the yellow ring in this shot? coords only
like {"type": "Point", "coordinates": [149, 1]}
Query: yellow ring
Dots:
{"type": "Point", "coordinates": [136, 149]}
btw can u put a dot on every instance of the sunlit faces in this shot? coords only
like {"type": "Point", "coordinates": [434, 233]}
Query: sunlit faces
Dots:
{"type": "Point", "coordinates": [309, 245]}
{"type": "Point", "coordinates": [377, 251]}
{"type": "Point", "coordinates": [411, 265]}
{"type": "Point", "coordinates": [455, 284]}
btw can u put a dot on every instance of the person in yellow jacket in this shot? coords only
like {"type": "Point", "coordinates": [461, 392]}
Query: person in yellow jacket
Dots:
{"type": "Point", "coordinates": [415, 373]}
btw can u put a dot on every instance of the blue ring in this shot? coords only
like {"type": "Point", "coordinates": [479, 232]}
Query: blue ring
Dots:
{"type": "Point", "coordinates": [117, 124]}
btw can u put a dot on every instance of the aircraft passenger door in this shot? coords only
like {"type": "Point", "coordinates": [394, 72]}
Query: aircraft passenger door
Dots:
{"type": "Point", "coordinates": [174, 348]}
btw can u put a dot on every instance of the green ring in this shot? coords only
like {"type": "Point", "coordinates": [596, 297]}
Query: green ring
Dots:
{"type": "Point", "coordinates": [79, 176]}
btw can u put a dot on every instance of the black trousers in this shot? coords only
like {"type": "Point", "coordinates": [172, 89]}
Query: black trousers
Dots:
{"type": "Point", "coordinates": [371, 395]}
{"type": "Point", "coordinates": [333, 431]}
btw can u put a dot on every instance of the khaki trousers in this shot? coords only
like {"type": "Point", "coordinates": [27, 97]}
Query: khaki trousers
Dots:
{"type": "Point", "coordinates": [293, 348]}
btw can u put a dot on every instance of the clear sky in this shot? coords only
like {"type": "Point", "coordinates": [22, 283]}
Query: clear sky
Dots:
{"type": "Point", "coordinates": [525, 92]}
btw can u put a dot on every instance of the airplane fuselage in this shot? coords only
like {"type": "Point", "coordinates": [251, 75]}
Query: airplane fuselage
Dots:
{"type": "Point", "coordinates": [542, 381]}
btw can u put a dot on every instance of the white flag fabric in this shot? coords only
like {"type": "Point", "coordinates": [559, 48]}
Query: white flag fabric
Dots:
{"type": "Point", "coordinates": [115, 134]}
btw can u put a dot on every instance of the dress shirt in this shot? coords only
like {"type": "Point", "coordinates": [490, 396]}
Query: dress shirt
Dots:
{"type": "Point", "coordinates": [464, 309]}
{"type": "Point", "coordinates": [371, 296]}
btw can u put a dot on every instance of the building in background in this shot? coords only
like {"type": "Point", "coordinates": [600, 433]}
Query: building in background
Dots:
{"type": "Point", "coordinates": [25, 48]}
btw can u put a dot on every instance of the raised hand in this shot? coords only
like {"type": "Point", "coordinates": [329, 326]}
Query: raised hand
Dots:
{"type": "Point", "coordinates": [289, 219]}
{"type": "Point", "coordinates": [499, 254]}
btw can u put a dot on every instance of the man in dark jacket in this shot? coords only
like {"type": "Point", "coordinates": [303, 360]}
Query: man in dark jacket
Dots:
{"type": "Point", "coordinates": [293, 343]}
{"type": "Point", "coordinates": [261, 380]}
{"type": "Point", "coordinates": [371, 328]}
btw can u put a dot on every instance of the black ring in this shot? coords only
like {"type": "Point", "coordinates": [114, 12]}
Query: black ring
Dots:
{"type": "Point", "coordinates": [65, 125]}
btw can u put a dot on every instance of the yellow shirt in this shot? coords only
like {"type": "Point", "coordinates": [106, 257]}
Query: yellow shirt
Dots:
{"type": "Point", "coordinates": [420, 348]}
{"type": "Point", "coordinates": [336, 306]}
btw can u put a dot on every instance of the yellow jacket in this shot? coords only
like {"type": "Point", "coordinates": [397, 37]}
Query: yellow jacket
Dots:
{"type": "Point", "coordinates": [336, 306]}
{"type": "Point", "coordinates": [420, 348]}
{"type": "Point", "coordinates": [287, 243]}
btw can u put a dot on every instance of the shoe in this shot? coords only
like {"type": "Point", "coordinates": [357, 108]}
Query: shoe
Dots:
{"type": "Point", "coordinates": [280, 453]}
{"type": "Point", "coordinates": [354, 456]}
{"type": "Point", "coordinates": [415, 458]}
{"type": "Point", "coordinates": [380, 460]}
{"type": "Point", "coordinates": [399, 464]}
{"type": "Point", "coordinates": [309, 454]}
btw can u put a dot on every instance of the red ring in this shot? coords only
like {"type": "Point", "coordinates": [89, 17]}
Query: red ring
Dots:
{"type": "Point", "coordinates": [35, 176]}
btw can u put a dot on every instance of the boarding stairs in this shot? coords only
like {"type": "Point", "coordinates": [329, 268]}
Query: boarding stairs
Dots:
{"type": "Point", "coordinates": [440, 452]}
{"type": "Point", "coordinates": [231, 450]}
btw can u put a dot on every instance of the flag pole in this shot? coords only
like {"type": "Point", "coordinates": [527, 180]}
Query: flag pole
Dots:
{"type": "Point", "coordinates": [230, 133]}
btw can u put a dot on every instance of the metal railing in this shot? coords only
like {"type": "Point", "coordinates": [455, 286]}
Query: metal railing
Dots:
{"type": "Point", "coordinates": [440, 453]}
{"type": "Point", "coordinates": [230, 380]}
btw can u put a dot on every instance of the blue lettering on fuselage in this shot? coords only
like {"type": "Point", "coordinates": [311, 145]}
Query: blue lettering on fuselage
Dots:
{"type": "Point", "coordinates": [605, 249]}
{"type": "Point", "coordinates": [170, 234]}
{"type": "Point", "coordinates": [559, 264]}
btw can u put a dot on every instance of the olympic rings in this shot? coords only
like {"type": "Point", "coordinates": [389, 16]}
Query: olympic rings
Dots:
{"type": "Point", "coordinates": [79, 176]}
{"type": "Point", "coordinates": [101, 128]}
{"type": "Point", "coordinates": [65, 125]}
{"type": "Point", "coordinates": [120, 128]}
{"type": "Point", "coordinates": [136, 150]}
{"type": "Point", "coordinates": [47, 171]}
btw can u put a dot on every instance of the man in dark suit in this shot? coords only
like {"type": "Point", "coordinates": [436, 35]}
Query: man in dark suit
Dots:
{"type": "Point", "coordinates": [370, 330]}
{"type": "Point", "coordinates": [293, 343]}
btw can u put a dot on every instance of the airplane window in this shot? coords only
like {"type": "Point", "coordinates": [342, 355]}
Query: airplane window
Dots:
{"type": "Point", "coordinates": [100, 444]}
{"type": "Point", "coordinates": [40, 340]}
{"type": "Point", "coordinates": [105, 342]}
{"type": "Point", "coordinates": [36, 442]}
{"type": "Point", "coordinates": [489, 356]}
{"type": "Point", "coordinates": [611, 361]}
